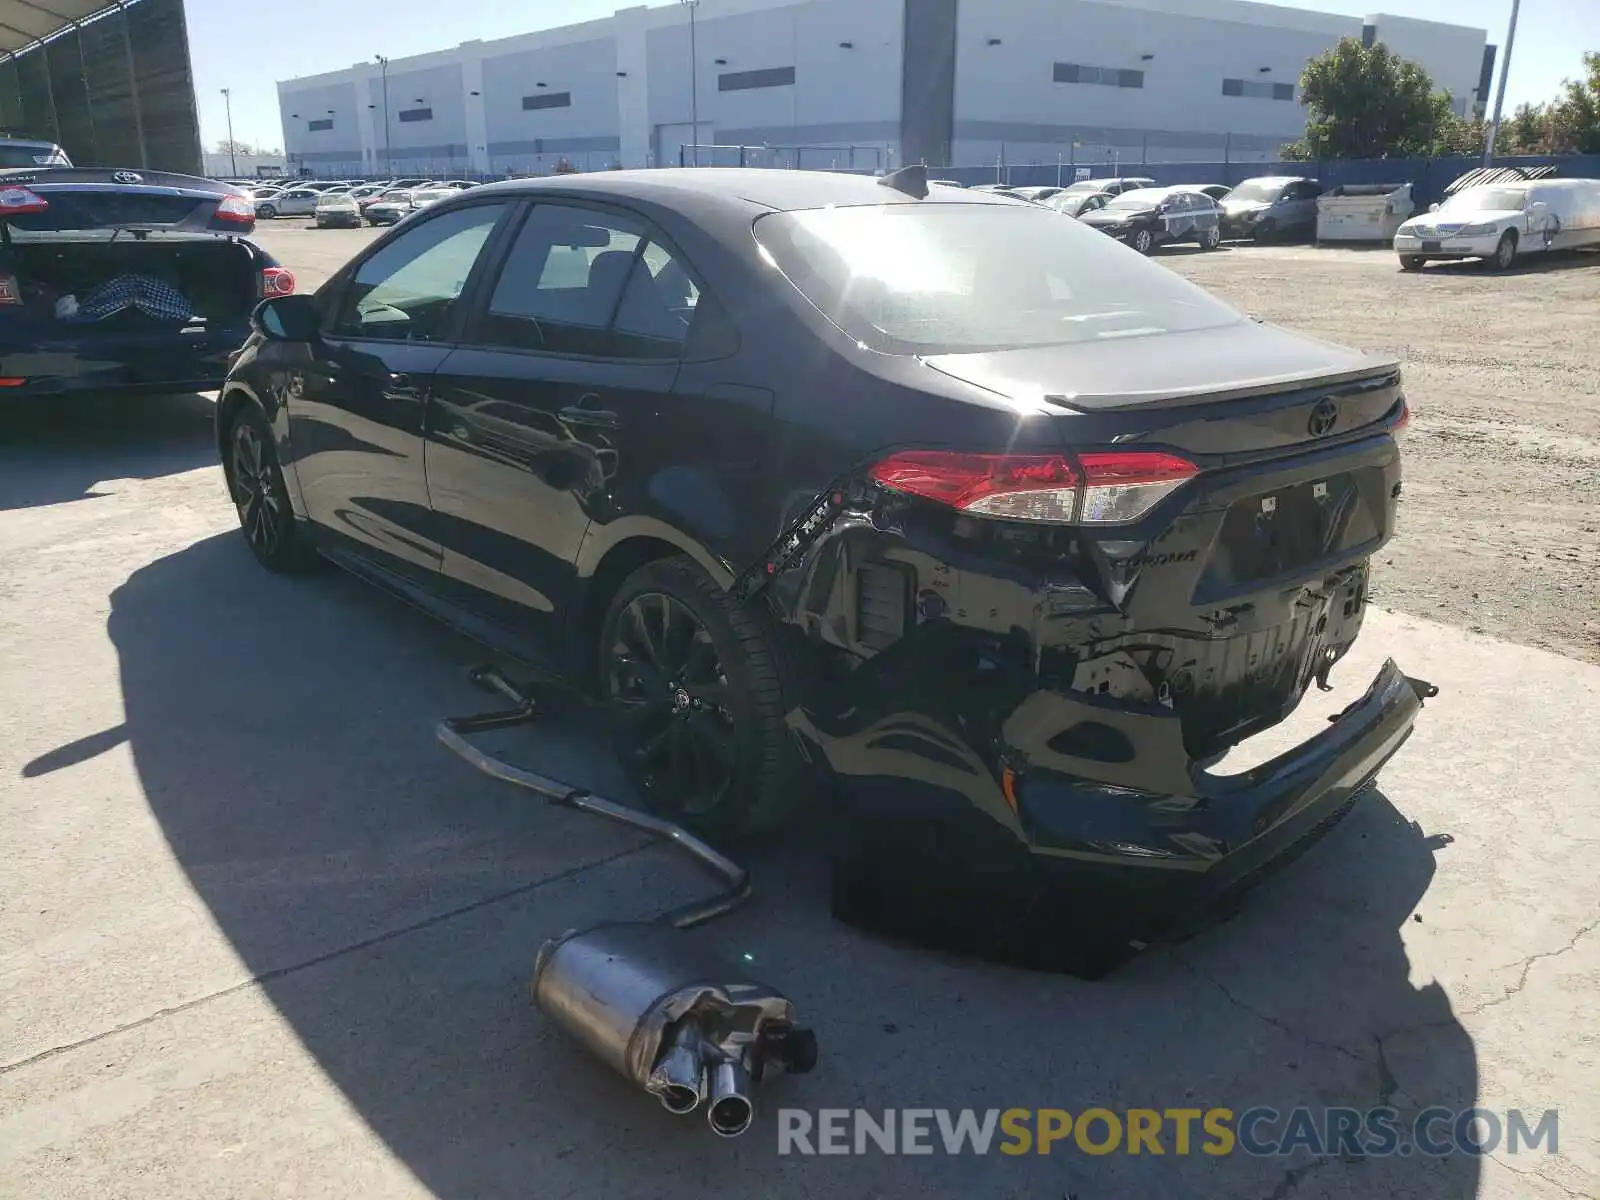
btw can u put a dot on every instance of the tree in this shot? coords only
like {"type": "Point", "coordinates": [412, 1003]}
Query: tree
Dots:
{"type": "Point", "coordinates": [236, 146]}
{"type": "Point", "coordinates": [1365, 102]}
{"type": "Point", "coordinates": [1575, 114]}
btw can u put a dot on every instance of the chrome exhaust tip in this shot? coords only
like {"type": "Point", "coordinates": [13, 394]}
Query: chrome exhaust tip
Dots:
{"type": "Point", "coordinates": [731, 1111]}
{"type": "Point", "coordinates": [679, 1078]}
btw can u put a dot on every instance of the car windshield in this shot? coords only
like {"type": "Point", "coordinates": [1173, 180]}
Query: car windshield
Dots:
{"type": "Point", "coordinates": [1084, 185]}
{"type": "Point", "coordinates": [967, 278]}
{"type": "Point", "coordinates": [1137, 199]}
{"type": "Point", "coordinates": [1261, 191]}
{"type": "Point", "coordinates": [42, 155]}
{"type": "Point", "coordinates": [1487, 199]}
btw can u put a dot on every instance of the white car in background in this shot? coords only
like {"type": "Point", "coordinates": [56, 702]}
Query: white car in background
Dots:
{"type": "Point", "coordinates": [291, 202]}
{"type": "Point", "coordinates": [338, 209]}
{"type": "Point", "coordinates": [1500, 222]}
{"type": "Point", "coordinates": [422, 197]}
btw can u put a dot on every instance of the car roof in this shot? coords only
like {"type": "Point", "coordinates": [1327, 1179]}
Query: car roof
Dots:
{"type": "Point", "coordinates": [744, 187]}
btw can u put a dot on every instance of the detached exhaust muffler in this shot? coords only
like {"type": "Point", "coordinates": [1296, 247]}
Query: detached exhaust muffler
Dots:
{"type": "Point", "coordinates": [642, 996]}
{"type": "Point", "coordinates": [683, 1026]}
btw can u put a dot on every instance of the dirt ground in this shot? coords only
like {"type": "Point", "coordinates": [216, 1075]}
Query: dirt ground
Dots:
{"type": "Point", "coordinates": [1500, 524]}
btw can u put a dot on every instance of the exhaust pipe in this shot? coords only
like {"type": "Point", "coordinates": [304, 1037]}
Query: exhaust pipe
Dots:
{"type": "Point", "coordinates": [731, 1109]}
{"type": "Point", "coordinates": [682, 1026]}
{"type": "Point", "coordinates": [679, 1078]}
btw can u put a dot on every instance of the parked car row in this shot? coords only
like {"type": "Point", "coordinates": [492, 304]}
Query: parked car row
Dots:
{"type": "Point", "coordinates": [349, 202]}
{"type": "Point", "coordinates": [1268, 208]}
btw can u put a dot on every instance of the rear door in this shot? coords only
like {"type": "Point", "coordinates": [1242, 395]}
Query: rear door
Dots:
{"type": "Point", "coordinates": [525, 418]}
{"type": "Point", "coordinates": [357, 405]}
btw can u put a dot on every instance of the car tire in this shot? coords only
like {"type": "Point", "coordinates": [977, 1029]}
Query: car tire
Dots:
{"type": "Point", "coordinates": [1411, 262]}
{"type": "Point", "coordinates": [266, 210]}
{"type": "Point", "coordinates": [1265, 231]}
{"type": "Point", "coordinates": [1505, 254]}
{"type": "Point", "coordinates": [1211, 238]}
{"type": "Point", "coordinates": [1143, 241]}
{"type": "Point", "coordinates": [693, 686]}
{"type": "Point", "coordinates": [256, 487]}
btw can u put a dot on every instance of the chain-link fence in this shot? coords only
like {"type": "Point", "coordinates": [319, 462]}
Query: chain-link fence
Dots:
{"type": "Point", "coordinates": [113, 90]}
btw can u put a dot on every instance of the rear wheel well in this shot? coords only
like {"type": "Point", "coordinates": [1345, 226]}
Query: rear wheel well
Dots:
{"type": "Point", "coordinates": [621, 561]}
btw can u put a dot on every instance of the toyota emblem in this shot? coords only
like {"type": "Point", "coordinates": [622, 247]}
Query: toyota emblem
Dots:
{"type": "Point", "coordinates": [1324, 416]}
{"type": "Point", "coordinates": [127, 177]}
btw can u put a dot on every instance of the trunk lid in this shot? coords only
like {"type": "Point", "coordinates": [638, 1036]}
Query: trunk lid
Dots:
{"type": "Point", "coordinates": [1229, 596]}
{"type": "Point", "coordinates": [83, 201]}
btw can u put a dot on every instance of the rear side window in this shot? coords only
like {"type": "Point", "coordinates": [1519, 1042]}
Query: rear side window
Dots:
{"type": "Point", "coordinates": [580, 281]}
{"type": "Point", "coordinates": [22, 154]}
{"type": "Point", "coordinates": [932, 278]}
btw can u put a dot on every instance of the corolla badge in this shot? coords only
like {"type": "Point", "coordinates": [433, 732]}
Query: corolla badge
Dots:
{"type": "Point", "coordinates": [127, 177]}
{"type": "Point", "coordinates": [1324, 416]}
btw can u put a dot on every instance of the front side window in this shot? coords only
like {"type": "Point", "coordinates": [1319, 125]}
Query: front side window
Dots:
{"type": "Point", "coordinates": [934, 278]}
{"type": "Point", "coordinates": [579, 281]}
{"type": "Point", "coordinates": [408, 290]}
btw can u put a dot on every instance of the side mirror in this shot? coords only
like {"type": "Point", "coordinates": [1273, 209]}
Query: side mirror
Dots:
{"type": "Point", "coordinates": [286, 319]}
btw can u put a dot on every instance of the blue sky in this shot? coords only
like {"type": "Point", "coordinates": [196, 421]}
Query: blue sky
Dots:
{"type": "Point", "coordinates": [248, 50]}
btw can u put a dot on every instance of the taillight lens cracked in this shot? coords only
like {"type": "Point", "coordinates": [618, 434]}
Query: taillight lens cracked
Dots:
{"type": "Point", "coordinates": [1102, 488]}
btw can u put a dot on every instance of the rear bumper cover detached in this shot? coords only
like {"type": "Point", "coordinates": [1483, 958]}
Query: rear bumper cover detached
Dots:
{"type": "Point", "coordinates": [1034, 865]}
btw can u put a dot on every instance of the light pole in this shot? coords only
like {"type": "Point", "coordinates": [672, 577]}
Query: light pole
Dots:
{"type": "Point", "coordinates": [233, 157]}
{"type": "Point", "coordinates": [694, 80]}
{"type": "Point", "coordinates": [1500, 92]}
{"type": "Point", "coordinates": [383, 66]}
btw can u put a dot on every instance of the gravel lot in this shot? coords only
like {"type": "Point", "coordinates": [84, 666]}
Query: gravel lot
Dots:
{"type": "Point", "coordinates": [1500, 527]}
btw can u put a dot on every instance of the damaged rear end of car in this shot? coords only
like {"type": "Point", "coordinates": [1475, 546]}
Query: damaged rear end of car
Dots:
{"type": "Point", "coordinates": [122, 281]}
{"type": "Point", "coordinates": [1035, 636]}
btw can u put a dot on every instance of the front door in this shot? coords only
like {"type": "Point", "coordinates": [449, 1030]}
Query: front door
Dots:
{"type": "Point", "coordinates": [356, 410]}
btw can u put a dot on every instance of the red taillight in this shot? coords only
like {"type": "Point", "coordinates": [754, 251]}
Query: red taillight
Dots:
{"type": "Point", "coordinates": [15, 200]}
{"type": "Point", "coordinates": [236, 208]}
{"type": "Point", "coordinates": [1112, 487]}
{"type": "Point", "coordinates": [1403, 421]}
{"type": "Point", "coordinates": [276, 281]}
{"type": "Point", "coordinates": [10, 289]}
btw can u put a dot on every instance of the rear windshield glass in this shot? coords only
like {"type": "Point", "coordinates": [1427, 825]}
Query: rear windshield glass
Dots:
{"type": "Point", "coordinates": [963, 278]}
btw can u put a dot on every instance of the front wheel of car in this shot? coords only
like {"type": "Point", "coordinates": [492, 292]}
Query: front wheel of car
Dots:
{"type": "Point", "coordinates": [691, 680]}
{"type": "Point", "coordinates": [266, 210]}
{"type": "Point", "coordinates": [1265, 231]}
{"type": "Point", "coordinates": [255, 483]}
{"type": "Point", "coordinates": [1211, 238]}
{"type": "Point", "coordinates": [1143, 241]}
{"type": "Point", "coordinates": [1505, 254]}
{"type": "Point", "coordinates": [1411, 262]}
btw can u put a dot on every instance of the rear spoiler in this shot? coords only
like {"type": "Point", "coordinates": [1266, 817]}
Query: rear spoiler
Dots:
{"type": "Point", "coordinates": [109, 177]}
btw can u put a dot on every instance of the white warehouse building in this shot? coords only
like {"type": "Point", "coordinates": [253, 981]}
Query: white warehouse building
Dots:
{"type": "Point", "coordinates": [854, 83]}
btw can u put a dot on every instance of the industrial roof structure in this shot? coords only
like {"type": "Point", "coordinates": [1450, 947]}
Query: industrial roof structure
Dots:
{"type": "Point", "coordinates": [24, 22]}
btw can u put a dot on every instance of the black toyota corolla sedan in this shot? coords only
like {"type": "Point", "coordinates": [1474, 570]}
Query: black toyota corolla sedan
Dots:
{"type": "Point", "coordinates": [924, 511]}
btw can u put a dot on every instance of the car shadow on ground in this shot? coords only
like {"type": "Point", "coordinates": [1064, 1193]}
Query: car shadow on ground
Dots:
{"type": "Point", "coordinates": [1527, 264]}
{"type": "Point", "coordinates": [388, 900]}
{"type": "Point", "coordinates": [55, 450]}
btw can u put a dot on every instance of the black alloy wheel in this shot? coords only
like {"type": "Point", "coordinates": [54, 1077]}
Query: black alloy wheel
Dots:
{"type": "Point", "coordinates": [691, 681]}
{"type": "Point", "coordinates": [667, 682]}
{"type": "Point", "coordinates": [256, 486]}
